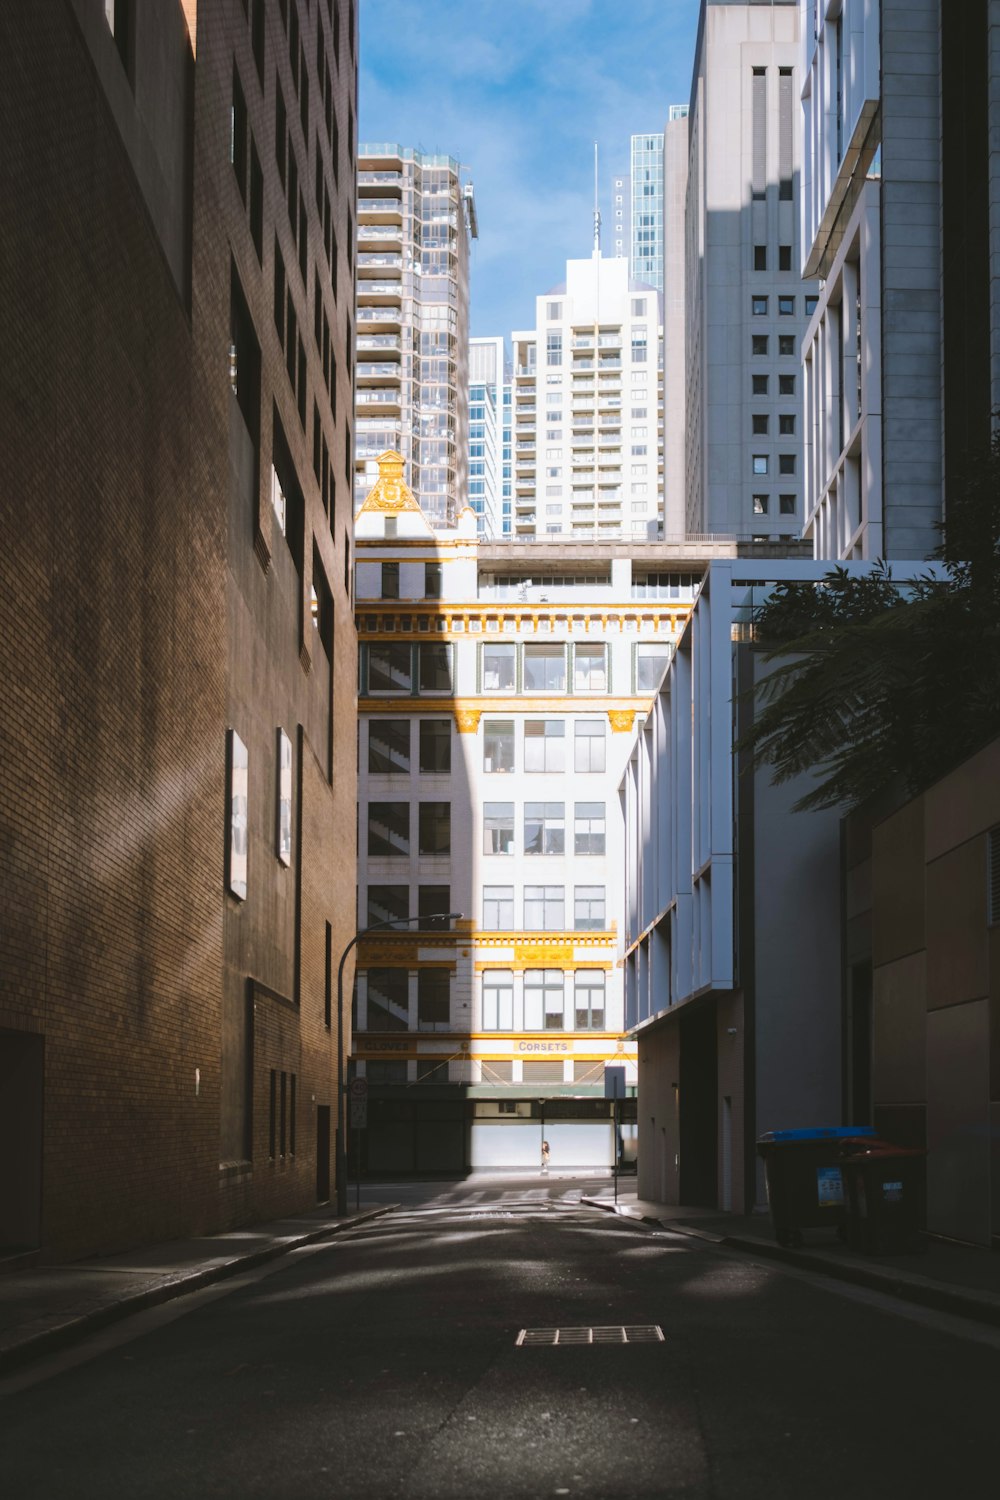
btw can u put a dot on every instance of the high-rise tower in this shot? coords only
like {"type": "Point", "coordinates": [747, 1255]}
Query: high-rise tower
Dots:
{"type": "Point", "coordinates": [587, 400]}
{"type": "Point", "coordinates": [416, 215]}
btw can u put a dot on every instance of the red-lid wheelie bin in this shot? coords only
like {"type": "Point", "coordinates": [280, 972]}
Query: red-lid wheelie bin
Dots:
{"type": "Point", "coordinates": [886, 1191]}
{"type": "Point", "coordinates": [805, 1188]}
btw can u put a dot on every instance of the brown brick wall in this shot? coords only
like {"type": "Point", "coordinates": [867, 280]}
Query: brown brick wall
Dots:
{"type": "Point", "coordinates": [136, 623]}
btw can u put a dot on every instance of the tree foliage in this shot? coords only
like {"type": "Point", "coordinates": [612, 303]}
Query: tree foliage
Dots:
{"type": "Point", "coordinates": [873, 682]}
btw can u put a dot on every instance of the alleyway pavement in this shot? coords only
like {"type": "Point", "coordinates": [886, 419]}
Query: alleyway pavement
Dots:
{"type": "Point", "coordinates": [45, 1308]}
{"type": "Point", "coordinates": [946, 1275]}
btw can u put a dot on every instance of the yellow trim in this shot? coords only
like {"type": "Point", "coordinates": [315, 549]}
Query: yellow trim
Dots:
{"type": "Point", "coordinates": [468, 712]}
{"type": "Point", "coordinates": [390, 493]}
{"type": "Point", "coordinates": [568, 619]}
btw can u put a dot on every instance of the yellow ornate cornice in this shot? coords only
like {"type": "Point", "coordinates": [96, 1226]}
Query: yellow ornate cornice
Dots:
{"type": "Point", "coordinates": [620, 707]}
{"type": "Point", "coordinates": [621, 720]}
{"type": "Point", "coordinates": [467, 720]}
{"type": "Point", "coordinates": [390, 493]}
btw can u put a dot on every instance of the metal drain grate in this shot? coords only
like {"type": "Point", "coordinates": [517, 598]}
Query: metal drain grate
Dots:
{"type": "Point", "coordinates": [640, 1333]}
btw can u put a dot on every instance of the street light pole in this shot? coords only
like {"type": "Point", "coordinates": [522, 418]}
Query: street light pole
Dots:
{"type": "Point", "coordinates": [340, 1166]}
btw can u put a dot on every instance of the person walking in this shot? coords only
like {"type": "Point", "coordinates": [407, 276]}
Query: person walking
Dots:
{"type": "Point", "coordinates": [545, 1157]}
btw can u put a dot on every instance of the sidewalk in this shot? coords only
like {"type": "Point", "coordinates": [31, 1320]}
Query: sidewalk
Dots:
{"type": "Point", "coordinates": [948, 1276]}
{"type": "Point", "coordinates": [43, 1308]}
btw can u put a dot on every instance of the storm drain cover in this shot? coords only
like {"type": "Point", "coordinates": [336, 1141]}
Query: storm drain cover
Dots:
{"type": "Point", "coordinates": [639, 1333]}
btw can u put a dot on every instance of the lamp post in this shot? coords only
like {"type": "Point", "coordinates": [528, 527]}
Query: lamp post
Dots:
{"type": "Point", "coordinates": [340, 1159]}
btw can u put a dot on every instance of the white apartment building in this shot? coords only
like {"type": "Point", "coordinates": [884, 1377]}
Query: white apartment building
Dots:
{"type": "Point", "coordinates": [416, 215]}
{"type": "Point", "coordinates": [746, 304]}
{"type": "Point", "coordinates": [902, 356]}
{"type": "Point", "coordinates": [489, 433]}
{"type": "Point", "coordinates": [587, 407]}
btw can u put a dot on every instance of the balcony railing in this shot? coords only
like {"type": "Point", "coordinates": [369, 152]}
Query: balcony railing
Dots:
{"type": "Point", "coordinates": [379, 341]}
{"type": "Point", "coordinates": [370, 232]}
{"type": "Point", "coordinates": [367, 396]}
{"type": "Point", "coordinates": [379, 206]}
{"type": "Point", "coordinates": [368, 371]}
{"type": "Point", "coordinates": [371, 258]}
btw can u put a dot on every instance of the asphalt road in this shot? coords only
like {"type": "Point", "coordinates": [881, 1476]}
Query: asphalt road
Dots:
{"type": "Point", "coordinates": [385, 1363]}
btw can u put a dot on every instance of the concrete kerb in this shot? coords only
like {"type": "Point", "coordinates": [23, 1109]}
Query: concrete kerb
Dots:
{"type": "Point", "coordinates": [908, 1286]}
{"type": "Point", "coordinates": [49, 1340]}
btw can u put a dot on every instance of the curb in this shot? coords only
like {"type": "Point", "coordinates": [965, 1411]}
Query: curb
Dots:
{"type": "Point", "coordinates": [49, 1340]}
{"type": "Point", "coordinates": [908, 1288]}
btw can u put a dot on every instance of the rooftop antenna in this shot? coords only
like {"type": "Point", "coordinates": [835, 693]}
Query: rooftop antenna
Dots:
{"type": "Point", "coordinates": [597, 211]}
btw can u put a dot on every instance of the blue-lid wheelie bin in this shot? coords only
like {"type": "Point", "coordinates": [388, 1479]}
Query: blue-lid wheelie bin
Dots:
{"type": "Point", "coordinates": [805, 1186]}
{"type": "Point", "coordinates": [885, 1188]}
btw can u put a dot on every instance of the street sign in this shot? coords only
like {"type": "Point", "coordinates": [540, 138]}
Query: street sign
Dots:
{"type": "Point", "coordinates": [614, 1083]}
{"type": "Point", "coordinates": [359, 1103]}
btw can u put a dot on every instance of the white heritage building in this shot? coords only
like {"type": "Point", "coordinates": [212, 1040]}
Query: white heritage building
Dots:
{"type": "Point", "coordinates": [499, 684]}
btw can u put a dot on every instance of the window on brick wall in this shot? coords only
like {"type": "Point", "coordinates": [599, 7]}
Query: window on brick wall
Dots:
{"type": "Point", "coordinates": [283, 829]}
{"type": "Point", "coordinates": [238, 128]}
{"type": "Point", "coordinates": [120, 16]}
{"type": "Point", "coordinates": [244, 359]}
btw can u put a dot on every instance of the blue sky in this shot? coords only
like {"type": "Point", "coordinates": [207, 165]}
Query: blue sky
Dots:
{"type": "Point", "coordinates": [519, 90]}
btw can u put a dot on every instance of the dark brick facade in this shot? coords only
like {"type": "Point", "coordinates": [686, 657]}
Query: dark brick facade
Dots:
{"type": "Point", "coordinates": [149, 602]}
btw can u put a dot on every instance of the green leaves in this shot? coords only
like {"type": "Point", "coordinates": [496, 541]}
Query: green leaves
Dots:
{"type": "Point", "coordinates": [872, 682]}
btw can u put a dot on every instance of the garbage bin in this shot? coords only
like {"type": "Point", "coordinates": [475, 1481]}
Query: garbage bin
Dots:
{"type": "Point", "coordinates": [805, 1188]}
{"type": "Point", "coordinates": [886, 1191]}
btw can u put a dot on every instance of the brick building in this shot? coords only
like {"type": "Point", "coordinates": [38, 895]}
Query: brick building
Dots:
{"type": "Point", "coordinates": [177, 649]}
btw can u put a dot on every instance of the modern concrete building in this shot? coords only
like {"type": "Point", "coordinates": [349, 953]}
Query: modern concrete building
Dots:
{"type": "Point", "coordinates": [176, 629]}
{"type": "Point", "coordinates": [675, 169]}
{"type": "Point", "coordinates": [922, 986]}
{"type": "Point", "coordinates": [416, 216]}
{"type": "Point", "coordinates": [587, 403]}
{"type": "Point", "coordinates": [490, 473]}
{"type": "Point", "coordinates": [746, 304]}
{"type": "Point", "coordinates": [902, 355]}
{"type": "Point", "coordinates": [733, 918]}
